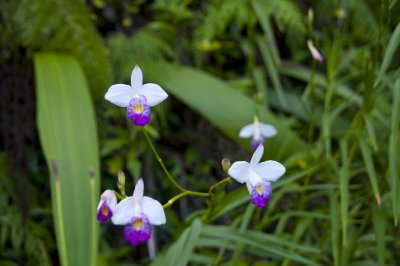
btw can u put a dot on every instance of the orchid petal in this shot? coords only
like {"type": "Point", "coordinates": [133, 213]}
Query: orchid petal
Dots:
{"type": "Point", "coordinates": [239, 171]}
{"type": "Point", "coordinates": [136, 79]}
{"type": "Point", "coordinates": [249, 186]}
{"type": "Point", "coordinates": [270, 170]}
{"type": "Point", "coordinates": [267, 130]}
{"type": "Point", "coordinates": [138, 192]}
{"type": "Point", "coordinates": [254, 178]}
{"type": "Point", "coordinates": [154, 210]}
{"type": "Point", "coordinates": [119, 94]}
{"type": "Point", "coordinates": [124, 211]}
{"type": "Point", "coordinates": [255, 159]}
{"type": "Point", "coordinates": [247, 131]}
{"type": "Point", "coordinates": [153, 92]}
{"type": "Point", "coordinates": [109, 197]}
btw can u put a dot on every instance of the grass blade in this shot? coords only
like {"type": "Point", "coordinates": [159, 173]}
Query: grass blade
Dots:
{"type": "Point", "coordinates": [391, 49]}
{"type": "Point", "coordinates": [394, 156]}
{"type": "Point", "coordinates": [369, 164]}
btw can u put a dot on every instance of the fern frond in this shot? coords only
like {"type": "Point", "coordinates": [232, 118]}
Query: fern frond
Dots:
{"type": "Point", "coordinates": [145, 44]}
{"type": "Point", "coordinates": [218, 16]}
{"type": "Point", "coordinates": [291, 21]}
{"type": "Point", "coordinates": [65, 26]}
{"type": "Point", "coordinates": [363, 20]}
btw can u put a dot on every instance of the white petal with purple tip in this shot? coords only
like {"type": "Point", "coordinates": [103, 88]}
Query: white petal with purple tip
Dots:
{"type": "Point", "coordinates": [109, 197]}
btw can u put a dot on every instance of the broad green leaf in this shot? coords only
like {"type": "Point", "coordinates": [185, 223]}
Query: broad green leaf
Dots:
{"type": "Point", "coordinates": [226, 108]}
{"type": "Point", "coordinates": [68, 136]}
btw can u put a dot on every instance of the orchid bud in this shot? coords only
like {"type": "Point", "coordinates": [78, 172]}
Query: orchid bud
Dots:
{"type": "Point", "coordinates": [121, 182]}
{"type": "Point", "coordinates": [226, 164]}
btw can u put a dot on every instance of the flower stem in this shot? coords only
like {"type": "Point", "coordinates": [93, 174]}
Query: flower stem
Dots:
{"type": "Point", "coordinates": [225, 180]}
{"type": "Point", "coordinates": [183, 194]}
{"type": "Point", "coordinates": [119, 196]}
{"type": "Point", "coordinates": [161, 162]}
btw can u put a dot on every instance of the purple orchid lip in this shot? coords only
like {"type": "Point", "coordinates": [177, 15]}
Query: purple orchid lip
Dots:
{"type": "Point", "coordinates": [138, 230]}
{"type": "Point", "coordinates": [104, 212]}
{"type": "Point", "coordinates": [256, 142]}
{"type": "Point", "coordinates": [138, 110]}
{"type": "Point", "coordinates": [261, 194]}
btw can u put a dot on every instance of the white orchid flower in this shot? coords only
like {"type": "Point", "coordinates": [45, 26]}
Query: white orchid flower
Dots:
{"type": "Point", "coordinates": [138, 213]}
{"type": "Point", "coordinates": [257, 176]}
{"type": "Point", "coordinates": [107, 204]}
{"type": "Point", "coordinates": [258, 131]}
{"type": "Point", "coordinates": [137, 98]}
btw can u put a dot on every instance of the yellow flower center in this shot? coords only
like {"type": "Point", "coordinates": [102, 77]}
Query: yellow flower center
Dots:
{"type": "Point", "coordinates": [104, 211]}
{"type": "Point", "coordinates": [137, 224]}
{"type": "Point", "coordinates": [259, 189]}
{"type": "Point", "coordinates": [138, 107]}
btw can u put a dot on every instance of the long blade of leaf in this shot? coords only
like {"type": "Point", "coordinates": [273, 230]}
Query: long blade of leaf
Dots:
{"type": "Point", "coordinates": [68, 135]}
{"type": "Point", "coordinates": [223, 106]}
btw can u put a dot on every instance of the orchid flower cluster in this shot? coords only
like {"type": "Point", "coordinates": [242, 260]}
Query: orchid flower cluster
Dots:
{"type": "Point", "coordinates": [139, 213]}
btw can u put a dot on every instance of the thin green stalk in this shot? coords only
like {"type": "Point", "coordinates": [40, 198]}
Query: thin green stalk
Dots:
{"type": "Point", "coordinates": [161, 161]}
{"type": "Point", "coordinates": [183, 194]}
{"type": "Point", "coordinates": [119, 196]}
{"type": "Point", "coordinates": [223, 181]}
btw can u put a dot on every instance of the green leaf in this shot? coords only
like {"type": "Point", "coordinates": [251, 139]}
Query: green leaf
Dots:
{"type": "Point", "coordinates": [391, 48]}
{"type": "Point", "coordinates": [369, 164]}
{"type": "Point", "coordinates": [68, 135]}
{"type": "Point", "coordinates": [181, 251]}
{"type": "Point", "coordinates": [379, 222]}
{"type": "Point", "coordinates": [226, 108]}
{"type": "Point", "coordinates": [258, 243]}
{"type": "Point", "coordinates": [394, 154]}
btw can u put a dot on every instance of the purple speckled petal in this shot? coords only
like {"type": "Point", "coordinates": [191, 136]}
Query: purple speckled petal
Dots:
{"type": "Point", "coordinates": [261, 194]}
{"type": "Point", "coordinates": [138, 110]}
{"type": "Point", "coordinates": [104, 213]}
{"type": "Point", "coordinates": [138, 230]}
{"type": "Point", "coordinates": [256, 142]}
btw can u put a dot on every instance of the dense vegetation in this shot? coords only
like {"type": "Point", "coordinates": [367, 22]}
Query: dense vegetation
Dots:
{"type": "Point", "coordinates": [221, 62]}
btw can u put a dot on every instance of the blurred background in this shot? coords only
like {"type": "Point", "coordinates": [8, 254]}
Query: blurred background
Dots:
{"type": "Point", "coordinates": [221, 62]}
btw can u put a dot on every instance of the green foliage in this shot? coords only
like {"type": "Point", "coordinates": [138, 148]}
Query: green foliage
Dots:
{"type": "Point", "coordinates": [64, 109]}
{"type": "Point", "coordinates": [21, 237]}
{"type": "Point", "coordinates": [145, 44]}
{"type": "Point", "coordinates": [213, 99]}
{"type": "Point", "coordinates": [338, 123]}
{"type": "Point", "coordinates": [65, 26]}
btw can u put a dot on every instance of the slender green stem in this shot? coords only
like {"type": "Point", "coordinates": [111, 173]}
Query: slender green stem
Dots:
{"type": "Point", "coordinates": [194, 193]}
{"type": "Point", "coordinates": [161, 161]}
{"type": "Point", "coordinates": [225, 180]}
{"type": "Point", "coordinates": [119, 196]}
{"type": "Point", "coordinates": [183, 194]}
